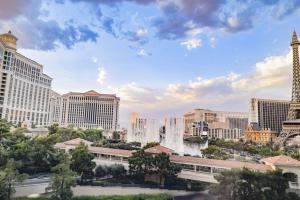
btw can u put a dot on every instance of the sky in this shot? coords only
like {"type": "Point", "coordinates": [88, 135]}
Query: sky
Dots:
{"type": "Point", "coordinates": [161, 57]}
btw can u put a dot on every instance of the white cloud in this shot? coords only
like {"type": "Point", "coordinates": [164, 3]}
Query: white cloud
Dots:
{"type": "Point", "coordinates": [233, 22]}
{"type": "Point", "coordinates": [192, 43]}
{"type": "Point", "coordinates": [270, 78]}
{"type": "Point", "coordinates": [193, 30]}
{"type": "Point", "coordinates": [142, 32]}
{"type": "Point", "coordinates": [212, 42]}
{"type": "Point", "coordinates": [101, 75]}
{"type": "Point", "coordinates": [143, 53]}
{"type": "Point", "coordinates": [94, 59]}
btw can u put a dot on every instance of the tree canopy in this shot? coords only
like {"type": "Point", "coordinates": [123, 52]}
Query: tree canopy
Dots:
{"type": "Point", "coordinates": [249, 185]}
{"type": "Point", "coordinates": [9, 175]}
{"type": "Point", "coordinates": [82, 161]}
{"type": "Point", "coordinates": [214, 152]}
{"type": "Point", "coordinates": [62, 179]}
{"type": "Point", "coordinates": [142, 164]}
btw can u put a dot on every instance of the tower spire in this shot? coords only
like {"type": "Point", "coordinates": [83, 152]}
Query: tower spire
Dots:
{"type": "Point", "coordinates": [294, 111]}
{"type": "Point", "coordinates": [295, 40]}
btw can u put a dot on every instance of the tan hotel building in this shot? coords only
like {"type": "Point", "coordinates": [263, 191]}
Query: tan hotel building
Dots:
{"type": "Point", "coordinates": [24, 88]}
{"type": "Point", "coordinates": [259, 136]}
{"type": "Point", "coordinates": [86, 110]}
{"type": "Point", "coordinates": [221, 124]}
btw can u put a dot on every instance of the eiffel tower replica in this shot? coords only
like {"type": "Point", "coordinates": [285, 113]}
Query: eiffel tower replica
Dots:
{"type": "Point", "coordinates": [291, 127]}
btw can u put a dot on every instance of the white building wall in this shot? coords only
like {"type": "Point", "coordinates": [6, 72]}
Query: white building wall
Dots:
{"type": "Point", "coordinates": [24, 89]}
{"type": "Point", "coordinates": [86, 110]}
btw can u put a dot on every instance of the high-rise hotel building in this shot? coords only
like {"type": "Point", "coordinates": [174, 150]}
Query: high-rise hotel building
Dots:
{"type": "Point", "coordinates": [24, 88]}
{"type": "Point", "coordinates": [85, 110]}
{"type": "Point", "coordinates": [219, 124]}
{"type": "Point", "coordinates": [268, 114]}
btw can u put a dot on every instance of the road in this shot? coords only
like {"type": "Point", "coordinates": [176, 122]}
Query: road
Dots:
{"type": "Point", "coordinates": [39, 188]}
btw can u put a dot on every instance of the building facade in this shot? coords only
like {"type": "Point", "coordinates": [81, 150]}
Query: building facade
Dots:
{"type": "Point", "coordinates": [199, 128]}
{"type": "Point", "coordinates": [268, 114]}
{"type": "Point", "coordinates": [214, 120]}
{"type": "Point", "coordinates": [260, 136]}
{"type": "Point", "coordinates": [227, 134]}
{"type": "Point", "coordinates": [24, 89]}
{"type": "Point", "coordinates": [85, 110]}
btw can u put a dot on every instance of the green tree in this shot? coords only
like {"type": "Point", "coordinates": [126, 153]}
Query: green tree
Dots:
{"type": "Point", "coordinates": [164, 168]}
{"type": "Point", "coordinates": [20, 130]}
{"type": "Point", "coordinates": [140, 163]}
{"type": "Point", "coordinates": [65, 134]}
{"type": "Point", "coordinates": [62, 180]}
{"type": "Point", "coordinates": [117, 170]}
{"type": "Point", "coordinates": [82, 161]}
{"type": "Point", "coordinates": [93, 135]}
{"type": "Point", "coordinates": [8, 177]}
{"type": "Point", "coordinates": [214, 152]}
{"type": "Point", "coordinates": [101, 171]}
{"type": "Point", "coordinates": [53, 128]}
{"type": "Point", "coordinates": [4, 128]}
{"type": "Point", "coordinates": [3, 156]}
{"type": "Point", "coordinates": [150, 144]}
{"type": "Point", "coordinates": [36, 155]}
{"type": "Point", "coordinates": [115, 135]}
{"type": "Point", "coordinates": [249, 185]}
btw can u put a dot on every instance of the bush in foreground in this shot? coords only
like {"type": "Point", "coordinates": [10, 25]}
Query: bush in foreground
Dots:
{"type": "Point", "coordinates": [128, 197]}
{"type": "Point", "coordinates": [115, 197]}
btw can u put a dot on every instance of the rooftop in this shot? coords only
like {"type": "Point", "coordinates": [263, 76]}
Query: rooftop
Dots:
{"type": "Point", "coordinates": [266, 166]}
{"type": "Point", "coordinates": [281, 160]}
{"type": "Point", "coordinates": [219, 163]}
{"type": "Point", "coordinates": [73, 142]}
{"type": "Point", "coordinates": [110, 151]}
{"type": "Point", "coordinates": [159, 149]}
{"type": "Point", "coordinates": [9, 33]}
{"type": "Point", "coordinates": [89, 93]}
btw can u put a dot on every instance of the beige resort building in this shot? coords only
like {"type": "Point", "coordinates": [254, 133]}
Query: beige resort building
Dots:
{"type": "Point", "coordinates": [24, 88]}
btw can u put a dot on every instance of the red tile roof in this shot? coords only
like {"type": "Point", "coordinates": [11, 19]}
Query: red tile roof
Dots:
{"type": "Point", "coordinates": [159, 149]}
{"type": "Point", "coordinates": [282, 160]}
{"type": "Point", "coordinates": [73, 142]}
{"type": "Point", "coordinates": [189, 159]}
{"type": "Point", "coordinates": [77, 141]}
{"type": "Point", "coordinates": [59, 145]}
{"type": "Point", "coordinates": [110, 151]}
{"type": "Point", "coordinates": [88, 93]}
{"type": "Point", "coordinates": [219, 163]}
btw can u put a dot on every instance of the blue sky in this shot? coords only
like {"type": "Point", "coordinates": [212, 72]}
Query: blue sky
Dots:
{"type": "Point", "coordinates": [162, 57]}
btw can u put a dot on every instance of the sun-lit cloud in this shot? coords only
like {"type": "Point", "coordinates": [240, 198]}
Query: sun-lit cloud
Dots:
{"type": "Point", "coordinates": [212, 42]}
{"type": "Point", "coordinates": [270, 78]}
{"type": "Point", "coordinates": [101, 75]}
{"type": "Point", "coordinates": [143, 53]}
{"type": "Point", "coordinates": [192, 43]}
{"type": "Point", "coordinates": [142, 32]}
{"type": "Point", "coordinates": [94, 59]}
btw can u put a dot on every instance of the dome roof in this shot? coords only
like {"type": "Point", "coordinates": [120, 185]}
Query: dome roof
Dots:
{"type": "Point", "coordinates": [9, 39]}
{"type": "Point", "coordinates": [9, 34]}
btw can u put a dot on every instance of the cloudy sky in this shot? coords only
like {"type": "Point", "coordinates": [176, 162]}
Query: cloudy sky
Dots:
{"type": "Point", "coordinates": [162, 57]}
